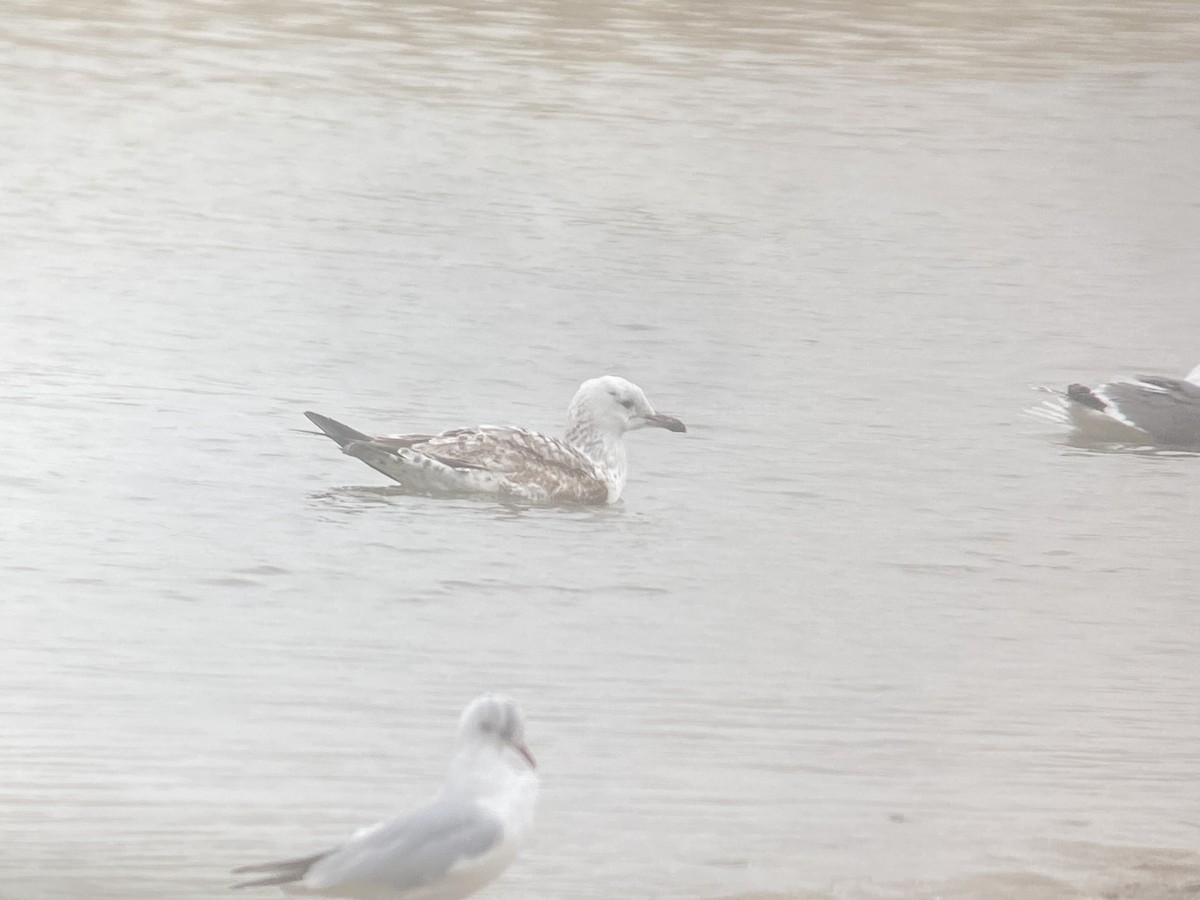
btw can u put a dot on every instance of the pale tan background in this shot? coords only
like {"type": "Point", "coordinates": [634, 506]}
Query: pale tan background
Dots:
{"type": "Point", "coordinates": [862, 633]}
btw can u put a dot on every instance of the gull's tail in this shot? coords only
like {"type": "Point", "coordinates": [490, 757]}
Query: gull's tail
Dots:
{"type": "Point", "coordinates": [342, 434]}
{"type": "Point", "coordinates": [1093, 420]}
{"type": "Point", "coordinates": [286, 871]}
{"type": "Point", "coordinates": [1056, 411]}
{"type": "Point", "coordinates": [391, 456]}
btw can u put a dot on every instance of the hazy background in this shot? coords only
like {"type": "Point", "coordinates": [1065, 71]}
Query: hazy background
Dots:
{"type": "Point", "coordinates": [865, 631]}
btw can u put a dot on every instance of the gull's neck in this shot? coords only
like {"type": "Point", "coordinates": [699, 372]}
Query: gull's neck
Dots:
{"type": "Point", "coordinates": [603, 447]}
{"type": "Point", "coordinates": [480, 768]}
{"type": "Point", "coordinates": [483, 773]}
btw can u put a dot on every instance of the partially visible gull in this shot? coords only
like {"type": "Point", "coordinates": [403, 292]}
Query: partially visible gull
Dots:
{"type": "Point", "coordinates": [586, 466]}
{"type": "Point", "coordinates": [448, 849]}
{"type": "Point", "coordinates": [1146, 410]}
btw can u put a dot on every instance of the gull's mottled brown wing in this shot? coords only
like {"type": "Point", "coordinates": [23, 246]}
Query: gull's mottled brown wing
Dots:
{"type": "Point", "coordinates": [545, 465]}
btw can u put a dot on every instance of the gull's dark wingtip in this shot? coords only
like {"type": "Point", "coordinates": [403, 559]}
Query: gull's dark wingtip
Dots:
{"type": "Point", "coordinates": [335, 430]}
{"type": "Point", "coordinates": [272, 881]}
{"type": "Point", "coordinates": [1085, 396]}
{"type": "Point", "coordinates": [285, 871]}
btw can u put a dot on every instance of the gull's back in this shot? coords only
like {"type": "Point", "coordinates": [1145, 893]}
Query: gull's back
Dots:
{"type": "Point", "coordinates": [487, 459]}
{"type": "Point", "coordinates": [1165, 410]}
{"type": "Point", "coordinates": [445, 851]}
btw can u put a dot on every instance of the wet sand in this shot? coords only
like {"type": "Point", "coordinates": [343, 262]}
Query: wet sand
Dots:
{"type": "Point", "coordinates": [1087, 872]}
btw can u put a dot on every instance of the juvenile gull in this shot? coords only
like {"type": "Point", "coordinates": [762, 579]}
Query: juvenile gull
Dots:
{"type": "Point", "coordinates": [588, 465]}
{"type": "Point", "coordinates": [451, 847]}
{"type": "Point", "coordinates": [1146, 409]}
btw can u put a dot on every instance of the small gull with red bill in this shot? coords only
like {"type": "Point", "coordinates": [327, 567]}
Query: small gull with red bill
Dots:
{"type": "Point", "coordinates": [587, 465]}
{"type": "Point", "coordinates": [448, 849]}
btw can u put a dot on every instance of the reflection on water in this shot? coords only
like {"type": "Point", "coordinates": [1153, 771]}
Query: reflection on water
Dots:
{"type": "Point", "coordinates": [857, 634]}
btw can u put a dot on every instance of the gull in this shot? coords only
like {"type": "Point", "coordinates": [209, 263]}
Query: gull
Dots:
{"type": "Point", "coordinates": [587, 465]}
{"type": "Point", "coordinates": [447, 849]}
{"type": "Point", "coordinates": [1146, 410]}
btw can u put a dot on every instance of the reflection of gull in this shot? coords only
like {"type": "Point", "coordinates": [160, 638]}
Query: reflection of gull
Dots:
{"type": "Point", "coordinates": [1148, 409]}
{"type": "Point", "coordinates": [588, 466]}
{"type": "Point", "coordinates": [449, 848]}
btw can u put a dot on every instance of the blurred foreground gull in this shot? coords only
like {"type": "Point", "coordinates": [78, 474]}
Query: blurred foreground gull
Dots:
{"type": "Point", "coordinates": [1148, 409]}
{"type": "Point", "coordinates": [587, 466]}
{"type": "Point", "coordinates": [451, 847]}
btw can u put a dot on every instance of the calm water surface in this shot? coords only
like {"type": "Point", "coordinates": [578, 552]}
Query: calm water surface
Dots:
{"type": "Point", "coordinates": [863, 632]}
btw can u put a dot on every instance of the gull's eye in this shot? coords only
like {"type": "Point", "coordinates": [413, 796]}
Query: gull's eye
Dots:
{"type": "Point", "coordinates": [628, 404]}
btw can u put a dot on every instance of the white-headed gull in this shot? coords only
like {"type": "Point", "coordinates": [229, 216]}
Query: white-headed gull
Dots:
{"type": "Point", "coordinates": [1146, 409]}
{"type": "Point", "coordinates": [451, 847]}
{"type": "Point", "coordinates": [588, 465]}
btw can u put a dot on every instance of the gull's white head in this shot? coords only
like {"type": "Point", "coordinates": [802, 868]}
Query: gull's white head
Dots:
{"type": "Point", "coordinates": [494, 719]}
{"type": "Point", "coordinates": [616, 406]}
